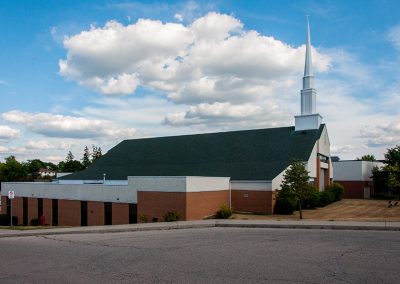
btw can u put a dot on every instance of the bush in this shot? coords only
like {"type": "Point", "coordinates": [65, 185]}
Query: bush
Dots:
{"type": "Point", "coordinates": [325, 198]}
{"type": "Point", "coordinates": [312, 199]}
{"type": "Point", "coordinates": [224, 212]}
{"type": "Point", "coordinates": [5, 220]}
{"type": "Point", "coordinates": [383, 196]}
{"type": "Point", "coordinates": [337, 191]}
{"type": "Point", "coordinates": [284, 205]}
{"type": "Point", "coordinates": [143, 218]}
{"type": "Point", "coordinates": [35, 222]}
{"type": "Point", "coordinates": [171, 216]}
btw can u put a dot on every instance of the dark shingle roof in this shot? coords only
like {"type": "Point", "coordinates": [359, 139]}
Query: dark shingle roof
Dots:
{"type": "Point", "coordinates": [259, 154]}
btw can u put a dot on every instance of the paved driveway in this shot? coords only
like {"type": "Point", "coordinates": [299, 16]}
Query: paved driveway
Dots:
{"type": "Point", "coordinates": [209, 255]}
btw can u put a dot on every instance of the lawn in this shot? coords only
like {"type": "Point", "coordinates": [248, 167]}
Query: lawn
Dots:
{"type": "Point", "coordinates": [344, 210]}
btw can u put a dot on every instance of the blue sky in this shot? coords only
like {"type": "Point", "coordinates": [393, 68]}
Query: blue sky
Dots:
{"type": "Point", "coordinates": [76, 73]}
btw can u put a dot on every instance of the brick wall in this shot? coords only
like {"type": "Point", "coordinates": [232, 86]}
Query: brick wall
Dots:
{"type": "Point", "coordinates": [18, 209]}
{"type": "Point", "coordinates": [95, 211]}
{"type": "Point", "coordinates": [4, 205]}
{"type": "Point", "coordinates": [353, 189]}
{"type": "Point", "coordinates": [47, 210]}
{"type": "Point", "coordinates": [206, 203]}
{"type": "Point", "coordinates": [253, 201]}
{"type": "Point", "coordinates": [120, 213]}
{"type": "Point", "coordinates": [32, 209]}
{"type": "Point", "coordinates": [154, 204]}
{"type": "Point", "coordinates": [69, 212]}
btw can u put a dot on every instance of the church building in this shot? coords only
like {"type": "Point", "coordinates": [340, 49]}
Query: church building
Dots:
{"type": "Point", "coordinates": [193, 175]}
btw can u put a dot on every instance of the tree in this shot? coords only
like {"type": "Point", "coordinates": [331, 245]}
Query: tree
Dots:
{"type": "Point", "coordinates": [86, 157]}
{"type": "Point", "coordinates": [70, 157]}
{"type": "Point", "coordinates": [387, 178]}
{"type": "Point", "coordinates": [96, 153]}
{"type": "Point", "coordinates": [12, 170]}
{"type": "Point", "coordinates": [367, 157]}
{"type": "Point", "coordinates": [296, 183]}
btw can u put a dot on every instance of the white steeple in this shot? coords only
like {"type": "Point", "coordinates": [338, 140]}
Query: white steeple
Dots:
{"type": "Point", "coordinates": [309, 118]}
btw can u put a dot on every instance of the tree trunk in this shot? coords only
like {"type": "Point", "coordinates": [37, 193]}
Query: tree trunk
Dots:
{"type": "Point", "coordinates": [301, 215]}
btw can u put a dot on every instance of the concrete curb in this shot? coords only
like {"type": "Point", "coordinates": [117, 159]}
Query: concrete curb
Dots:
{"type": "Point", "coordinates": [331, 225]}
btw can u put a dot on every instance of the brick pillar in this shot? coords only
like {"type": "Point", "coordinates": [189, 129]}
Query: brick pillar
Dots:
{"type": "Point", "coordinates": [120, 213]}
{"type": "Point", "coordinates": [95, 213]}
{"type": "Point", "coordinates": [69, 212]}
{"type": "Point", "coordinates": [17, 209]}
{"type": "Point", "coordinates": [32, 209]}
{"type": "Point", "coordinates": [48, 210]}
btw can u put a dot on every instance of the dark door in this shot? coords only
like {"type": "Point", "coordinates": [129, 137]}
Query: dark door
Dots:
{"type": "Point", "coordinates": [107, 213]}
{"type": "Point", "coordinates": [132, 213]}
{"type": "Point", "coordinates": [54, 212]}
{"type": "Point", "coordinates": [25, 211]}
{"type": "Point", "coordinates": [40, 207]}
{"type": "Point", "coordinates": [83, 213]}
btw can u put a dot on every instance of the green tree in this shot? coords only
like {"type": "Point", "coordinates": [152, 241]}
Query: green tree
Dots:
{"type": "Point", "coordinates": [367, 157]}
{"type": "Point", "coordinates": [296, 183]}
{"type": "Point", "coordinates": [12, 170]}
{"type": "Point", "coordinates": [387, 178]}
{"type": "Point", "coordinates": [86, 157]}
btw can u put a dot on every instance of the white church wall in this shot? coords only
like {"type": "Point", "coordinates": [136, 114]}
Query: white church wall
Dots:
{"type": "Point", "coordinates": [88, 192]}
{"type": "Point", "coordinates": [312, 162]}
{"type": "Point", "coordinates": [260, 185]}
{"type": "Point", "coordinates": [324, 143]}
{"type": "Point", "coordinates": [277, 181]}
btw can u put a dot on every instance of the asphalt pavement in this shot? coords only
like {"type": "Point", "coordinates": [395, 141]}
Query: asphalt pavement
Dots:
{"type": "Point", "coordinates": [289, 224]}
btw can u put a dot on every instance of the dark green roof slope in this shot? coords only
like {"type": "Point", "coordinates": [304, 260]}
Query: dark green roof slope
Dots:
{"type": "Point", "coordinates": [242, 155]}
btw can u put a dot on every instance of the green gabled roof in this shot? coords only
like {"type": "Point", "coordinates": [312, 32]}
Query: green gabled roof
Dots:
{"type": "Point", "coordinates": [259, 154]}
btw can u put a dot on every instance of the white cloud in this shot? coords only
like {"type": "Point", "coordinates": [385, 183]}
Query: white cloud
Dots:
{"type": "Point", "coordinates": [382, 135]}
{"type": "Point", "coordinates": [394, 36]}
{"type": "Point", "coordinates": [68, 126]}
{"type": "Point", "coordinates": [179, 17]}
{"type": "Point", "coordinates": [7, 132]}
{"type": "Point", "coordinates": [213, 54]}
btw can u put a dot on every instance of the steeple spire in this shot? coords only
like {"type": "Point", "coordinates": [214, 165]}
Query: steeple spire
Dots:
{"type": "Point", "coordinates": [309, 118]}
{"type": "Point", "coordinates": [308, 76]}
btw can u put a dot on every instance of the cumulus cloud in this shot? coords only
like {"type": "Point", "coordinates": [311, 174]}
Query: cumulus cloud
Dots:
{"type": "Point", "coordinates": [213, 59]}
{"type": "Point", "coordinates": [52, 125]}
{"type": "Point", "coordinates": [7, 132]}
{"type": "Point", "coordinates": [382, 135]}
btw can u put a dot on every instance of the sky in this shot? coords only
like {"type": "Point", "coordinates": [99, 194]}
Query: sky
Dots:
{"type": "Point", "coordinates": [83, 73]}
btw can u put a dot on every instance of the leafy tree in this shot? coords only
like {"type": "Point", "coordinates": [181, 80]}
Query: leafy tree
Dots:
{"type": "Point", "coordinates": [296, 183]}
{"type": "Point", "coordinates": [387, 178]}
{"type": "Point", "coordinates": [367, 157]}
{"type": "Point", "coordinates": [12, 170]}
{"type": "Point", "coordinates": [86, 157]}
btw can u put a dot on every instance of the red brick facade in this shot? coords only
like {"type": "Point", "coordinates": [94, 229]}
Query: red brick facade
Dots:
{"type": "Point", "coordinates": [47, 210]}
{"type": "Point", "coordinates": [17, 209]}
{"type": "Point", "coordinates": [154, 204]}
{"type": "Point", "coordinates": [120, 213]}
{"type": "Point", "coordinates": [95, 212]}
{"type": "Point", "coordinates": [32, 209]}
{"type": "Point", "coordinates": [205, 203]}
{"type": "Point", "coordinates": [354, 189]}
{"type": "Point", "coordinates": [191, 206]}
{"type": "Point", "coordinates": [69, 212]}
{"type": "Point", "coordinates": [254, 201]}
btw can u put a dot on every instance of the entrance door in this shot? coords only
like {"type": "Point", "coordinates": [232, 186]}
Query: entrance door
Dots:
{"type": "Point", "coordinates": [25, 211]}
{"type": "Point", "coordinates": [107, 213]}
{"type": "Point", "coordinates": [367, 192]}
{"type": "Point", "coordinates": [321, 180]}
{"type": "Point", "coordinates": [54, 212]}
{"type": "Point", "coordinates": [84, 213]}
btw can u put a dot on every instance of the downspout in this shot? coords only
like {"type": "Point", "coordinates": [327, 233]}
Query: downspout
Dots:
{"type": "Point", "coordinates": [230, 194]}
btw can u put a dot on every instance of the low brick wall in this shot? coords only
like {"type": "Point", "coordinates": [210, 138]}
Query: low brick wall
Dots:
{"type": "Point", "coordinates": [202, 204]}
{"type": "Point", "coordinates": [253, 201]}
{"type": "Point", "coordinates": [69, 212]}
{"type": "Point", "coordinates": [120, 213]}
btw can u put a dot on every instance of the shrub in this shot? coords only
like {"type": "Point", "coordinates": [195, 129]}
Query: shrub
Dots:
{"type": "Point", "coordinates": [311, 200]}
{"type": "Point", "coordinates": [383, 196]}
{"type": "Point", "coordinates": [5, 220]}
{"type": "Point", "coordinates": [224, 212]}
{"type": "Point", "coordinates": [337, 191]}
{"type": "Point", "coordinates": [143, 218]}
{"type": "Point", "coordinates": [171, 216]}
{"type": "Point", "coordinates": [284, 205]}
{"type": "Point", "coordinates": [35, 222]}
{"type": "Point", "coordinates": [325, 198]}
